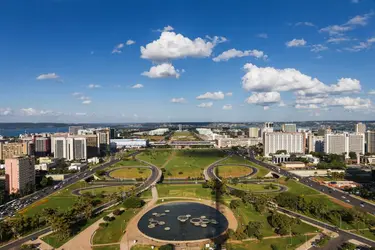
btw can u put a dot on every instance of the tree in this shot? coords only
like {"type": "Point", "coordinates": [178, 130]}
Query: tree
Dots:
{"type": "Point", "coordinates": [133, 202]}
{"type": "Point", "coordinates": [353, 155]}
{"type": "Point", "coordinates": [83, 206]}
{"type": "Point", "coordinates": [253, 229]}
{"type": "Point", "coordinates": [44, 182]}
{"type": "Point", "coordinates": [167, 247]}
{"type": "Point", "coordinates": [348, 246]}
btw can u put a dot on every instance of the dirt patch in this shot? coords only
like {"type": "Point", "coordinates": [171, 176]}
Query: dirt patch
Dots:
{"type": "Point", "coordinates": [170, 157]}
{"type": "Point", "coordinates": [33, 205]}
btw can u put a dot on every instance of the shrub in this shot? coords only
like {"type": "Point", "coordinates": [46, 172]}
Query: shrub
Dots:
{"type": "Point", "coordinates": [117, 212]}
{"type": "Point", "coordinates": [133, 202]}
{"type": "Point", "coordinates": [108, 218]}
{"type": "Point", "coordinates": [167, 247]}
{"type": "Point", "coordinates": [180, 172]}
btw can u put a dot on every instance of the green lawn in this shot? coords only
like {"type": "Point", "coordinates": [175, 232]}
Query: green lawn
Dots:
{"type": "Point", "coordinates": [262, 171]}
{"type": "Point", "coordinates": [111, 247]}
{"type": "Point", "coordinates": [235, 159]}
{"type": "Point", "coordinates": [191, 163]}
{"type": "Point", "coordinates": [63, 200]}
{"type": "Point", "coordinates": [108, 190]}
{"type": "Point", "coordinates": [232, 171]}
{"type": "Point", "coordinates": [188, 190]}
{"type": "Point", "coordinates": [129, 162]}
{"type": "Point", "coordinates": [246, 213]}
{"type": "Point", "coordinates": [143, 247]}
{"type": "Point", "coordinates": [281, 243]}
{"type": "Point", "coordinates": [55, 242]}
{"type": "Point", "coordinates": [131, 173]}
{"type": "Point", "coordinates": [298, 188]}
{"type": "Point", "coordinates": [115, 229]}
{"type": "Point", "coordinates": [156, 157]}
{"type": "Point", "coordinates": [183, 136]}
{"type": "Point", "coordinates": [254, 187]}
{"type": "Point", "coordinates": [146, 194]}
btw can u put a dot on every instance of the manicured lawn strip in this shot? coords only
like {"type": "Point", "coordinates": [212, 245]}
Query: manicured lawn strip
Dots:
{"type": "Point", "coordinates": [262, 171]}
{"type": "Point", "coordinates": [366, 233]}
{"type": "Point", "coordinates": [109, 190]}
{"type": "Point", "coordinates": [281, 243]}
{"type": "Point", "coordinates": [297, 188]}
{"type": "Point", "coordinates": [191, 163]}
{"type": "Point", "coordinates": [111, 247]}
{"type": "Point", "coordinates": [253, 187]}
{"type": "Point", "coordinates": [156, 157]}
{"type": "Point", "coordinates": [54, 241]}
{"type": "Point", "coordinates": [131, 173]}
{"type": "Point", "coordinates": [183, 136]}
{"type": "Point", "coordinates": [188, 190]}
{"type": "Point", "coordinates": [63, 200]}
{"type": "Point", "coordinates": [232, 171]}
{"type": "Point", "coordinates": [143, 247]}
{"type": "Point", "coordinates": [129, 162]}
{"type": "Point", "coordinates": [115, 229]}
{"type": "Point", "coordinates": [233, 160]}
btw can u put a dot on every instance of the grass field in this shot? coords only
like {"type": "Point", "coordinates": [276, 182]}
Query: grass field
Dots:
{"type": "Point", "coordinates": [143, 247]}
{"type": "Point", "coordinates": [254, 187]}
{"type": "Point", "coordinates": [115, 229]}
{"type": "Point", "coordinates": [188, 190]}
{"type": "Point", "coordinates": [55, 242]}
{"type": "Point", "coordinates": [156, 157]}
{"type": "Point", "coordinates": [131, 173]}
{"type": "Point", "coordinates": [240, 160]}
{"type": "Point", "coordinates": [297, 188]}
{"type": "Point", "coordinates": [232, 171]}
{"type": "Point", "coordinates": [129, 162]}
{"type": "Point", "coordinates": [110, 247]}
{"type": "Point", "coordinates": [191, 163]}
{"type": "Point", "coordinates": [183, 136]}
{"type": "Point", "coordinates": [281, 243]}
{"type": "Point", "coordinates": [63, 200]}
{"type": "Point", "coordinates": [108, 190]}
{"type": "Point", "coordinates": [146, 194]}
{"type": "Point", "coordinates": [246, 213]}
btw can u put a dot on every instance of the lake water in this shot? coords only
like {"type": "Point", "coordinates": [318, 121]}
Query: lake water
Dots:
{"type": "Point", "coordinates": [17, 131]}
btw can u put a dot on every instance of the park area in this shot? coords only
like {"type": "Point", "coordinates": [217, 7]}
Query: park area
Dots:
{"type": "Point", "coordinates": [183, 136]}
{"type": "Point", "coordinates": [232, 171]}
{"type": "Point", "coordinates": [257, 187]}
{"type": "Point", "coordinates": [108, 190]}
{"type": "Point", "coordinates": [191, 163]}
{"type": "Point", "coordinates": [130, 173]}
{"type": "Point", "coordinates": [187, 191]}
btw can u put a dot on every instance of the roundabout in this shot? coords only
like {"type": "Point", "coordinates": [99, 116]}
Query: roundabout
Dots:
{"type": "Point", "coordinates": [185, 221]}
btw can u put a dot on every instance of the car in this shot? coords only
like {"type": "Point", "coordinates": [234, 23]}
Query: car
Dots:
{"type": "Point", "coordinates": [343, 197]}
{"type": "Point", "coordinates": [362, 205]}
{"type": "Point", "coordinates": [348, 201]}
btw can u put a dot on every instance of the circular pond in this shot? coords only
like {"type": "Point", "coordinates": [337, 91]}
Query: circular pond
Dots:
{"type": "Point", "coordinates": [183, 221]}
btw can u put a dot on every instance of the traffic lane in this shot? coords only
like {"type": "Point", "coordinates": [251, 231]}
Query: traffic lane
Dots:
{"type": "Point", "coordinates": [370, 208]}
{"type": "Point", "coordinates": [18, 243]}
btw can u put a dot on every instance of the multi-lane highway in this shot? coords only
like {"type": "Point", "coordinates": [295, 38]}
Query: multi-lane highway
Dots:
{"type": "Point", "coordinates": [151, 180]}
{"type": "Point", "coordinates": [342, 196]}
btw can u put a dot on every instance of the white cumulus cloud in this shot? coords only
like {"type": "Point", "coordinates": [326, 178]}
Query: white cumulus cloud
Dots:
{"type": "Point", "coordinates": [6, 111]}
{"type": "Point", "coordinates": [227, 107]}
{"type": "Point", "coordinates": [86, 102]}
{"type": "Point", "coordinates": [229, 94]}
{"type": "Point", "coordinates": [205, 105]}
{"type": "Point", "coordinates": [264, 98]}
{"type": "Point", "coordinates": [175, 46]}
{"type": "Point", "coordinates": [349, 103]}
{"type": "Point", "coordinates": [305, 24]}
{"type": "Point", "coordinates": [232, 53]}
{"type": "Point", "coordinates": [118, 48]}
{"type": "Point", "coordinates": [47, 76]}
{"type": "Point", "coordinates": [163, 70]}
{"type": "Point", "coordinates": [211, 95]}
{"type": "Point", "coordinates": [318, 48]}
{"type": "Point", "coordinates": [178, 100]}
{"type": "Point", "coordinates": [137, 86]}
{"type": "Point", "coordinates": [93, 86]}
{"type": "Point", "coordinates": [296, 43]}
{"type": "Point", "coordinates": [130, 42]}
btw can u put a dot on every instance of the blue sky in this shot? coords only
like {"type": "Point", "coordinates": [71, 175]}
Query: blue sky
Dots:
{"type": "Point", "coordinates": [137, 61]}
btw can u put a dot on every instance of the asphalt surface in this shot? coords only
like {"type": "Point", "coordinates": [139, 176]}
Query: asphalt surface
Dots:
{"type": "Point", "coordinates": [342, 196]}
{"type": "Point", "coordinates": [152, 180]}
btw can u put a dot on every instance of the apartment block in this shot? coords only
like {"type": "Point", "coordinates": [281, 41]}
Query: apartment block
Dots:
{"type": "Point", "coordinates": [20, 175]}
{"type": "Point", "coordinates": [291, 142]}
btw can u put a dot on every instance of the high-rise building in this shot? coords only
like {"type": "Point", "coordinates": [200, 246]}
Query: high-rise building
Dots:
{"type": "Point", "coordinates": [254, 132]}
{"type": "Point", "coordinates": [370, 142]}
{"type": "Point", "coordinates": [70, 148]}
{"type": "Point", "coordinates": [20, 175]}
{"type": "Point", "coordinates": [42, 146]}
{"type": "Point", "coordinates": [289, 128]}
{"type": "Point", "coordinates": [12, 149]}
{"type": "Point", "coordinates": [344, 143]}
{"type": "Point", "coordinates": [315, 143]}
{"type": "Point", "coordinates": [112, 134]}
{"type": "Point", "coordinates": [73, 130]}
{"type": "Point", "coordinates": [360, 128]}
{"type": "Point", "coordinates": [60, 147]}
{"type": "Point", "coordinates": [267, 128]}
{"type": "Point", "coordinates": [291, 142]}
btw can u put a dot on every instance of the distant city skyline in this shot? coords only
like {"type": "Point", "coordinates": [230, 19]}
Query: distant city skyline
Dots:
{"type": "Point", "coordinates": [131, 62]}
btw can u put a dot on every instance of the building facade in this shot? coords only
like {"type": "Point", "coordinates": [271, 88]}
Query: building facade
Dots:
{"type": "Point", "coordinates": [344, 143]}
{"type": "Point", "coordinates": [315, 143]}
{"type": "Point", "coordinates": [237, 142]}
{"type": "Point", "coordinates": [360, 128]}
{"type": "Point", "coordinates": [73, 130]}
{"type": "Point", "coordinates": [254, 132]}
{"type": "Point", "coordinates": [20, 175]}
{"type": "Point", "coordinates": [290, 142]}
{"type": "Point", "coordinates": [42, 146]}
{"type": "Point", "coordinates": [370, 142]}
{"type": "Point", "coordinates": [12, 149]}
{"type": "Point", "coordinates": [289, 128]}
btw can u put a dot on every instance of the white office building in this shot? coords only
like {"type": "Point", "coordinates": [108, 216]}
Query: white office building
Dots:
{"type": "Point", "coordinates": [254, 132]}
{"type": "Point", "coordinates": [315, 143]}
{"type": "Point", "coordinates": [158, 131]}
{"type": "Point", "coordinates": [238, 142]}
{"type": "Point", "coordinates": [370, 141]}
{"type": "Point", "coordinates": [267, 128]}
{"type": "Point", "coordinates": [344, 143]}
{"type": "Point", "coordinates": [291, 142]}
{"type": "Point", "coordinates": [360, 128]}
{"type": "Point", "coordinates": [129, 143]}
{"type": "Point", "coordinates": [70, 148]}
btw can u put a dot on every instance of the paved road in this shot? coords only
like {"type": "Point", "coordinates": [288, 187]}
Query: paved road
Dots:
{"type": "Point", "coordinates": [366, 206]}
{"type": "Point", "coordinates": [151, 181]}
